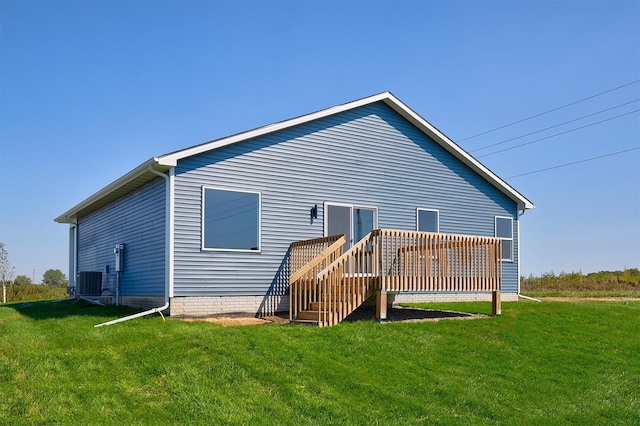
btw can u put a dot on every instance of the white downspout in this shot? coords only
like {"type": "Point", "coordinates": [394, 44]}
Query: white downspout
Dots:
{"type": "Point", "coordinates": [168, 248]}
{"type": "Point", "coordinates": [117, 288]}
{"type": "Point", "coordinates": [73, 251]}
{"type": "Point", "coordinates": [518, 230]}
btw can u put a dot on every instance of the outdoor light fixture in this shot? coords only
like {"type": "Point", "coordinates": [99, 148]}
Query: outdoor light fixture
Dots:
{"type": "Point", "coordinates": [314, 212]}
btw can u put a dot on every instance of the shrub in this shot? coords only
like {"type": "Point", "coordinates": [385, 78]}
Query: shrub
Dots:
{"type": "Point", "coordinates": [627, 280]}
{"type": "Point", "coordinates": [30, 292]}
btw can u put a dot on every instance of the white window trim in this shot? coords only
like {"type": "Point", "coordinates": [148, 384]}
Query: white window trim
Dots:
{"type": "Point", "coordinates": [419, 209]}
{"type": "Point", "coordinates": [375, 217]}
{"type": "Point", "coordinates": [351, 206]}
{"type": "Point", "coordinates": [202, 213]}
{"type": "Point", "coordinates": [495, 233]}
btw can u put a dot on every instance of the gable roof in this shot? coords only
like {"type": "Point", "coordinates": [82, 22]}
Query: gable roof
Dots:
{"type": "Point", "coordinates": [144, 172]}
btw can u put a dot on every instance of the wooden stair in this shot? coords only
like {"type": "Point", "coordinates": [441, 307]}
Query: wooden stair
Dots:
{"type": "Point", "coordinates": [327, 284]}
{"type": "Point", "coordinates": [310, 316]}
{"type": "Point", "coordinates": [384, 261]}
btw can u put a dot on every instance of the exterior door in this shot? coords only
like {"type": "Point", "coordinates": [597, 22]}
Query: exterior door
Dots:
{"type": "Point", "coordinates": [355, 222]}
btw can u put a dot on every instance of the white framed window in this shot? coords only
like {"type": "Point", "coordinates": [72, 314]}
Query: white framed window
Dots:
{"type": "Point", "coordinates": [230, 220]}
{"type": "Point", "coordinates": [427, 220]}
{"type": "Point", "coordinates": [504, 231]}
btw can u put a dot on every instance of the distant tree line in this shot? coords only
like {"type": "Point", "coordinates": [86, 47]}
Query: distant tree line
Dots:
{"type": "Point", "coordinates": [54, 286]}
{"type": "Point", "coordinates": [629, 279]}
{"type": "Point", "coordinates": [54, 283]}
{"type": "Point", "coordinates": [52, 277]}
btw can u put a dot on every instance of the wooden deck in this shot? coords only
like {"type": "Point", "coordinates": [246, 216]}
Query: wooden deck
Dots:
{"type": "Point", "coordinates": [326, 284]}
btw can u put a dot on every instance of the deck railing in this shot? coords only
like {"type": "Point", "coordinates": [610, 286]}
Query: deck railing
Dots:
{"type": "Point", "coordinates": [422, 261]}
{"type": "Point", "coordinates": [397, 261]}
{"type": "Point", "coordinates": [308, 258]}
{"type": "Point", "coordinates": [303, 252]}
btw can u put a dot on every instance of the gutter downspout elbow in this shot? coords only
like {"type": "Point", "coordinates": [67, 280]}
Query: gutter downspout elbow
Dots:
{"type": "Point", "coordinates": [138, 315]}
{"type": "Point", "coordinates": [529, 298]}
{"type": "Point", "coordinates": [159, 309]}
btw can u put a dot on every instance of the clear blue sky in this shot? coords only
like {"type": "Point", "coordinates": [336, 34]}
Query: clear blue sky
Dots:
{"type": "Point", "coordinates": [91, 89]}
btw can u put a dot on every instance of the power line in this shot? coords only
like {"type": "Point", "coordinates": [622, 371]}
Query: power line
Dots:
{"type": "Point", "coordinates": [551, 110]}
{"type": "Point", "coordinates": [554, 126]}
{"type": "Point", "coordinates": [575, 162]}
{"type": "Point", "coordinates": [558, 134]}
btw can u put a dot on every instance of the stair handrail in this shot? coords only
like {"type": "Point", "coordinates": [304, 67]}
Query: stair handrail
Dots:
{"type": "Point", "coordinates": [397, 261]}
{"type": "Point", "coordinates": [318, 259]}
{"type": "Point", "coordinates": [355, 248]}
{"type": "Point", "coordinates": [298, 302]}
{"type": "Point", "coordinates": [303, 252]}
{"type": "Point", "coordinates": [345, 282]}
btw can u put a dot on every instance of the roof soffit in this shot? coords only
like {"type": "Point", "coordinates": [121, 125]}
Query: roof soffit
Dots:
{"type": "Point", "coordinates": [116, 189]}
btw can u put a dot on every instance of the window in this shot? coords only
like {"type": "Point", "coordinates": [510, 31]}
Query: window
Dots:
{"type": "Point", "coordinates": [230, 220]}
{"type": "Point", "coordinates": [504, 231]}
{"type": "Point", "coordinates": [428, 220]}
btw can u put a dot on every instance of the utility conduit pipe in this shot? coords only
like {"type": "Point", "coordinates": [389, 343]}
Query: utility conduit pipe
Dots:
{"type": "Point", "coordinates": [166, 291]}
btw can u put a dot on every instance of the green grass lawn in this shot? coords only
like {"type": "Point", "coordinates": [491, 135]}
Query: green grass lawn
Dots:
{"type": "Point", "coordinates": [538, 363]}
{"type": "Point", "coordinates": [635, 294]}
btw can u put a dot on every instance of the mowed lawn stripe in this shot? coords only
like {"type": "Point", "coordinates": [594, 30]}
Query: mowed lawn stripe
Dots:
{"type": "Point", "coordinates": [538, 363]}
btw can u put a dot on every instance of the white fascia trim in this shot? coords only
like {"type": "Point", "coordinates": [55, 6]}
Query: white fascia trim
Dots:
{"type": "Point", "coordinates": [172, 158]}
{"type": "Point", "coordinates": [113, 186]}
{"type": "Point", "coordinates": [388, 98]}
{"type": "Point", "coordinates": [457, 151]}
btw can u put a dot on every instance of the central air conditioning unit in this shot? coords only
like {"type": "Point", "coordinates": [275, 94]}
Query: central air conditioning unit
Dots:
{"type": "Point", "coordinates": [89, 283]}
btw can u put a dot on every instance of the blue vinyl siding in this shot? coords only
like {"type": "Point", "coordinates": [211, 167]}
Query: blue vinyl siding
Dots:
{"type": "Point", "coordinates": [138, 221]}
{"type": "Point", "coordinates": [368, 156]}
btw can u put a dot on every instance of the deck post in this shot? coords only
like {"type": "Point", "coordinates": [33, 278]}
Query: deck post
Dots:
{"type": "Point", "coordinates": [496, 305]}
{"type": "Point", "coordinates": [381, 304]}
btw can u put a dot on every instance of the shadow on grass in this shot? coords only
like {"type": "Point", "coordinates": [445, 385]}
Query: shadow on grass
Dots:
{"type": "Point", "coordinates": [52, 309]}
{"type": "Point", "coordinates": [367, 312]}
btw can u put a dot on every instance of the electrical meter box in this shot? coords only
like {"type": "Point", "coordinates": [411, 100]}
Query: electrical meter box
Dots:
{"type": "Point", "coordinates": [119, 252]}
